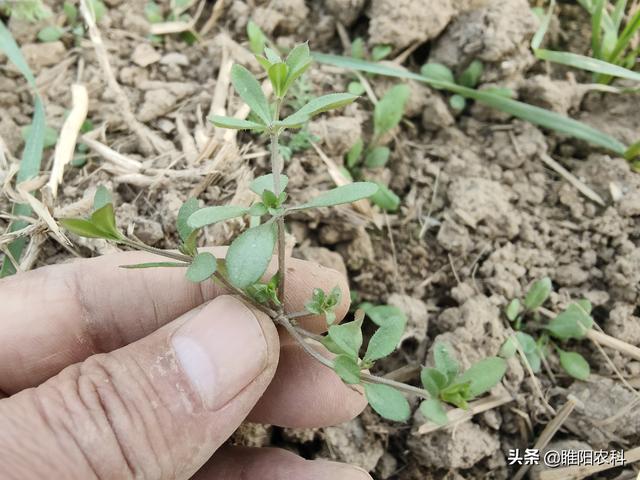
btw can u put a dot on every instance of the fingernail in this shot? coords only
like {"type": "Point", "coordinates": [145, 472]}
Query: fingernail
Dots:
{"type": "Point", "coordinates": [221, 349]}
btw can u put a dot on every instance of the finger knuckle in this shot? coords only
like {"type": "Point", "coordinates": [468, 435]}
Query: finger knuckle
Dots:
{"type": "Point", "coordinates": [108, 407]}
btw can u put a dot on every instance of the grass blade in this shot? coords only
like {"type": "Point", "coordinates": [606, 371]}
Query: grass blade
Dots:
{"type": "Point", "coordinates": [34, 145]}
{"type": "Point", "coordinates": [618, 14]}
{"type": "Point", "coordinates": [596, 29]}
{"type": "Point", "coordinates": [536, 115]}
{"type": "Point", "coordinates": [536, 41]}
{"type": "Point", "coordinates": [626, 36]}
{"type": "Point", "coordinates": [587, 63]}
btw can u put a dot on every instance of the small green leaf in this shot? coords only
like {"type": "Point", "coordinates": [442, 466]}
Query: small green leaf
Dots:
{"type": "Point", "coordinates": [377, 157]}
{"type": "Point", "coordinates": [526, 341]}
{"type": "Point", "coordinates": [433, 410]}
{"type": "Point", "coordinates": [584, 304]}
{"type": "Point", "coordinates": [339, 195]}
{"type": "Point", "coordinates": [380, 52]}
{"type": "Point", "coordinates": [357, 48]}
{"type": "Point", "coordinates": [444, 361]}
{"type": "Point", "coordinates": [355, 88]}
{"type": "Point", "coordinates": [50, 135]}
{"type": "Point", "coordinates": [278, 76]}
{"type": "Point", "coordinates": [317, 106]}
{"type": "Point", "coordinates": [483, 376]}
{"type": "Point", "coordinates": [392, 322]}
{"type": "Point", "coordinates": [437, 71]}
{"type": "Point", "coordinates": [101, 197]}
{"type": "Point", "coordinates": [347, 369]}
{"type": "Point", "coordinates": [258, 209]}
{"type": "Point", "coordinates": [513, 309]}
{"type": "Point", "coordinates": [385, 198]}
{"type": "Point", "coordinates": [104, 219]}
{"type": "Point", "coordinates": [457, 102]}
{"type": "Point", "coordinates": [433, 381]}
{"type": "Point", "coordinates": [202, 267]}
{"type": "Point", "coordinates": [389, 110]}
{"type": "Point", "coordinates": [187, 209]}
{"type": "Point", "coordinates": [257, 39]}
{"type": "Point", "coordinates": [250, 253]}
{"type": "Point", "coordinates": [50, 33]}
{"type": "Point", "coordinates": [508, 348]}
{"type": "Point", "coordinates": [71, 12]}
{"type": "Point", "coordinates": [354, 153]}
{"type": "Point", "coordinates": [298, 61]}
{"type": "Point", "coordinates": [456, 394]}
{"type": "Point", "coordinates": [348, 337]}
{"type": "Point", "coordinates": [98, 9]}
{"type": "Point", "coordinates": [574, 364]}
{"type": "Point", "coordinates": [155, 265]}
{"type": "Point", "coordinates": [235, 123]}
{"type": "Point", "coordinates": [210, 215]}
{"type": "Point", "coordinates": [573, 322]}
{"type": "Point", "coordinates": [530, 350]}
{"type": "Point", "coordinates": [81, 227]}
{"type": "Point", "coordinates": [471, 76]}
{"type": "Point", "coordinates": [388, 402]}
{"type": "Point", "coordinates": [272, 55]}
{"type": "Point", "coordinates": [250, 91]}
{"type": "Point", "coordinates": [538, 294]}
{"type": "Point", "coordinates": [265, 182]}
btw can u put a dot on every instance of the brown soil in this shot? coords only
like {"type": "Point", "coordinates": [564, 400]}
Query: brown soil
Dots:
{"type": "Point", "coordinates": [481, 217]}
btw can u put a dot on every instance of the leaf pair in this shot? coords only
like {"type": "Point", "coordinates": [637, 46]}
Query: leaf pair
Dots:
{"type": "Point", "coordinates": [469, 78]}
{"type": "Point", "coordinates": [345, 341]}
{"type": "Point", "coordinates": [325, 304]}
{"type": "Point", "coordinates": [574, 322]}
{"type": "Point", "coordinates": [283, 74]}
{"type": "Point", "coordinates": [101, 224]}
{"type": "Point", "coordinates": [391, 322]}
{"type": "Point", "coordinates": [531, 349]}
{"type": "Point", "coordinates": [445, 384]}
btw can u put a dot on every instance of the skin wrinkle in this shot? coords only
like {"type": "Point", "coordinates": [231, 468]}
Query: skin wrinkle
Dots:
{"type": "Point", "coordinates": [89, 389]}
{"type": "Point", "coordinates": [158, 403]}
{"type": "Point", "coordinates": [42, 410]}
{"type": "Point", "coordinates": [142, 381]}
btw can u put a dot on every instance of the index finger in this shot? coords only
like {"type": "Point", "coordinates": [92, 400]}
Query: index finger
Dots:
{"type": "Point", "coordinates": [59, 315]}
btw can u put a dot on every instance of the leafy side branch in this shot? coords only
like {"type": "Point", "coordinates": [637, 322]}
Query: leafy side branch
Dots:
{"type": "Point", "coordinates": [242, 270]}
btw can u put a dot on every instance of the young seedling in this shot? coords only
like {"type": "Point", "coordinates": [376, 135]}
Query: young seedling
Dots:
{"type": "Point", "coordinates": [387, 115]}
{"type": "Point", "coordinates": [572, 323]}
{"type": "Point", "coordinates": [242, 270]}
{"type": "Point", "coordinates": [446, 384]}
{"type": "Point", "coordinates": [73, 24]}
{"type": "Point", "coordinates": [614, 46]}
{"type": "Point", "coordinates": [177, 14]}
{"type": "Point", "coordinates": [359, 51]}
{"type": "Point", "coordinates": [299, 95]}
{"type": "Point", "coordinates": [469, 78]}
{"type": "Point", "coordinates": [28, 10]}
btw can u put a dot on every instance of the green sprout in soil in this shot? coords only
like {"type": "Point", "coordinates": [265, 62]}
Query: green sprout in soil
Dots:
{"type": "Point", "coordinates": [529, 318]}
{"type": "Point", "coordinates": [614, 46]}
{"type": "Point", "coordinates": [446, 384]}
{"type": "Point", "coordinates": [387, 114]}
{"type": "Point", "coordinates": [26, 10]}
{"type": "Point", "coordinates": [469, 78]}
{"type": "Point", "coordinates": [72, 22]}
{"type": "Point", "coordinates": [177, 13]}
{"type": "Point", "coordinates": [359, 50]}
{"type": "Point", "coordinates": [243, 269]}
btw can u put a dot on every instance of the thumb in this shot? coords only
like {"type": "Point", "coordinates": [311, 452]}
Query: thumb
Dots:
{"type": "Point", "coordinates": [157, 408]}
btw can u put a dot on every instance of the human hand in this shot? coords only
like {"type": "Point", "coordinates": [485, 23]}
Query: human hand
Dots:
{"type": "Point", "coordinates": [110, 373]}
